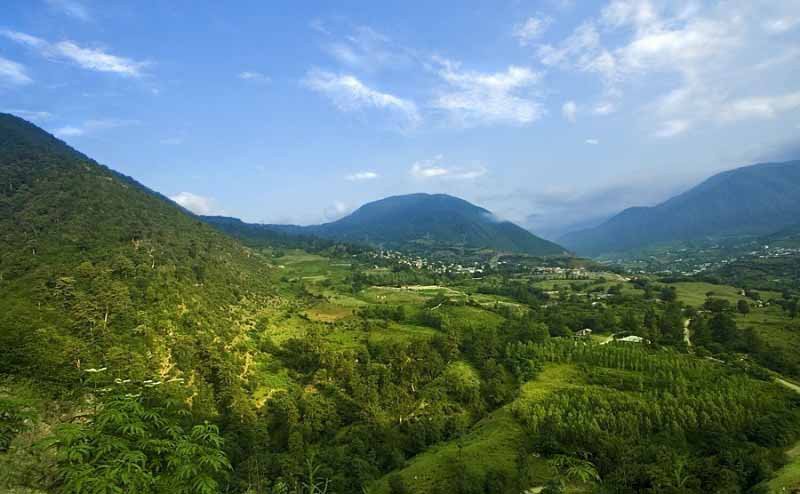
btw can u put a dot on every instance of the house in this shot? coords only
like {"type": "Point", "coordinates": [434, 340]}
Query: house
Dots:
{"type": "Point", "coordinates": [583, 333]}
{"type": "Point", "coordinates": [633, 339]}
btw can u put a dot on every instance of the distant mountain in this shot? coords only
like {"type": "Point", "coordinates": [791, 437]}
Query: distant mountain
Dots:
{"type": "Point", "coordinates": [755, 200]}
{"type": "Point", "coordinates": [98, 271]}
{"type": "Point", "coordinates": [424, 222]}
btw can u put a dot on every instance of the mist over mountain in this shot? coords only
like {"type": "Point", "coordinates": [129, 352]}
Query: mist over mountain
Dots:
{"type": "Point", "coordinates": [754, 200]}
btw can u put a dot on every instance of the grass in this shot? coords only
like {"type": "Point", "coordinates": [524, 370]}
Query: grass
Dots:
{"type": "Point", "coordinates": [270, 382]}
{"type": "Point", "coordinates": [328, 312]}
{"type": "Point", "coordinates": [492, 442]}
{"type": "Point", "coordinates": [787, 478]}
{"type": "Point", "coordinates": [694, 292]}
{"type": "Point", "coordinates": [775, 326]}
{"type": "Point", "coordinates": [399, 332]}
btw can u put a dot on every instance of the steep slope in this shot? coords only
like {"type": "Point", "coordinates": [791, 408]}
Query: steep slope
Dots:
{"type": "Point", "coordinates": [98, 271]}
{"type": "Point", "coordinates": [754, 200]}
{"type": "Point", "coordinates": [428, 221]}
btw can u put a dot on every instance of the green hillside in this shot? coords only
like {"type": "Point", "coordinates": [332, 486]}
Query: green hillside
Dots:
{"type": "Point", "coordinates": [97, 271]}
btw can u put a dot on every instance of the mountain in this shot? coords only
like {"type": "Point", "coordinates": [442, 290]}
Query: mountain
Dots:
{"type": "Point", "coordinates": [754, 200]}
{"type": "Point", "coordinates": [98, 271]}
{"type": "Point", "coordinates": [426, 222]}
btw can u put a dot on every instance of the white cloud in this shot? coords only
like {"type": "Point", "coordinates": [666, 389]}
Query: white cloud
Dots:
{"type": "Point", "coordinates": [759, 107]}
{"type": "Point", "coordinates": [604, 108]}
{"type": "Point", "coordinates": [254, 76]}
{"type": "Point", "coordinates": [368, 50]}
{"type": "Point", "coordinates": [32, 116]}
{"type": "Point", "coordinates": [349, 94]}
{"type": "Point", "coordinates": [531, 29]}
{"type": "Point", "coordinates": [781, 25]}
{"type": "Point", "coordinates": [476, 98]}
{"type": "Point", "coordinates": [88, 58]}
{"type": "Point", "coordinates": [672, 128]}
{"type": "Point", "coordinates": [432, 168]}
{"type": "Point", "coordinates": [361, 176]}
{"type": "Point", "coordinates": [570, 111]}
{"type": "Point", "coordinates": [592, 142]}
{"type": "Point", "coordinates": [69, 131]}
{"type": "Point", "coordinates": [196, 203]}
{"type": "Point", "coordinates": [92, 126]}
{"type": "Point", "coordinates": [72, 8]}
{"type": "Point", "coordinates": [335, 211]}
{"type": "Point", "coordinates": [708, 56]}
{"type": "Point", "coordinates": [13, 73]}
{"type": "Point", "coordinates": [580, 44]}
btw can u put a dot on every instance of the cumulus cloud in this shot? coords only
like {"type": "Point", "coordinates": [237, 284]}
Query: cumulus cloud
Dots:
{"type": "Point", "coordinates": [433, 169]}
{"type": "Point", "coordinates": [570, 111]}
{"type": "Point", "coordinates": [712, 54]}
{"type": "Point", "coordinates": [349, 94]}
{"type": "Point", "coordinates": [531, 29]}
{"type": "Point", "coordinates": [361, 176]}
{"type": "Point", "coordinates": [474, 98]}
{"type": "Point", "coordinates": [94, 59]}
{"type": "Point", "coordinates": [196, 203]}
{"type": "Point", "coordinates": [13, 73]}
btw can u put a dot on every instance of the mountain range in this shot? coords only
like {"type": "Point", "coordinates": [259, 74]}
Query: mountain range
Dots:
{"type": "Point", "coordinates": [423, 222]}
{"type": "Point", "coordinates": [753, 201]}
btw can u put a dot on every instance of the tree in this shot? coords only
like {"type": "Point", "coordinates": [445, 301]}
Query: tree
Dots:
{"type": "Point", "coordinates": [743, 307]}
{"type": "Point", "coordinates": [668, 294]}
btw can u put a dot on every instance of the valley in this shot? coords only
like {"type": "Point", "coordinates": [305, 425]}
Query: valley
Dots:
{"type": "Point", "coordinates": [147, 349]}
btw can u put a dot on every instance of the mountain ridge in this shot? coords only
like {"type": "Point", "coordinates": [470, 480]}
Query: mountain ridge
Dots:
{"type": "Point", "coordinates": [424, 221]}
{"type": "Point", "coordinates": [753, 200]}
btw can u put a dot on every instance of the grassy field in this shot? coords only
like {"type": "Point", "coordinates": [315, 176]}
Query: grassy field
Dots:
{"type": "Point", "coordinates": [787, 479]}
{"type": "Point", "coordinates": [694, 293]}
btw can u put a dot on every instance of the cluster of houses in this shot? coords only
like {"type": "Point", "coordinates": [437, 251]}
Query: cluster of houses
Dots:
{"type": "Point", "coordinates": [559, 273]}
{"type": "Point", "coordinates": [587, 333]}
{"type": "Point", "coordinates": [417, 262]}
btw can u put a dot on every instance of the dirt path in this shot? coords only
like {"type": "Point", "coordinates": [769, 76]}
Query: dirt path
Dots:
{"type": "Point", "coordinates": [687, 333]}
{"type": "Point", "coordinates": [792, 386]}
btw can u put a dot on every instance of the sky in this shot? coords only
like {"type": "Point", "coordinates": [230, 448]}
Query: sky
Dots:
{"type": "Point", "coordinates": [554, 114]}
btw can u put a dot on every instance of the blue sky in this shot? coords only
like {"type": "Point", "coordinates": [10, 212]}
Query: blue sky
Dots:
{"type": "Point", "coordinates": [551, 113]}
